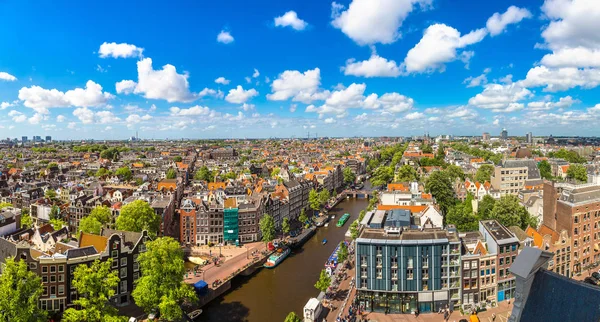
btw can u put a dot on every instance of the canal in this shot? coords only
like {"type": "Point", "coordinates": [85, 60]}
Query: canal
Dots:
{"type": "Point", "coordinates": [270, 294]}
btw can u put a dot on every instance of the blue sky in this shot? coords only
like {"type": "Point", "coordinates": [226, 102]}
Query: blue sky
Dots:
{"type": "Point", "coordinates": [107, 69]}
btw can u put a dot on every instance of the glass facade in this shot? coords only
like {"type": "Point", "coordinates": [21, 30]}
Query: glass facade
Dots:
{"type": "Point", "coordinates": [405, 303]}
{"type": "Point", "coordinates": [230, 225]}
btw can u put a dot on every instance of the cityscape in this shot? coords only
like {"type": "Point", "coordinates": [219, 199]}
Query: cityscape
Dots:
{"type": "Point", "coordinates": [300, 161]}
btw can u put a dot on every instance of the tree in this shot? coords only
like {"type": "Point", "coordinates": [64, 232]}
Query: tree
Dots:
{"type": "Point", "coordinates": [102, 214]}
{"type": "Point", "coordinates": [455, 172]}
{"type": "Point", "coordinates": [484, 173]}
{"type": "Point", "coordinates": [406, 173]}
{"type": "Point", "coordinates": [54, 212]}
{"type": "Point", "coordinates": [302, 218]}
{"type": "Point", "coordinates": [21, 290]}
{"type": "Point", "coordinates": [342, 252]}
{"type": "Point", "coordinates": [267, 228]}
{"type": "Point", "coordinates": [203, 174]}
{"type": "Point", "coordinates": [440, 186]}
{"type": "Point", "coordinates": [171, 173]}
{"type": "Point", "coordinates": [349, 176]}
{"type": "Point", "coordinates": [5, 204]}
{"type": "Point", "coordinates": [50, 194]}
{"type": "Point", "coordinates": [138, 216]}
{"type": "Point", "coordinates": [464, 220]}
{"type": "Point", "coordinates": [57, 223]}
{"type": "Point", "coordinates": [292, 317]}
{"type": "Point", "coordinates": [324, 281]}
{"type": "Point", "coordinates": [354, 229]}
{"type": "Point", "coordinates": [382, 176]}
{"type": "Point", "coordinates": [26, 221]}
{"type": "Point", "coordinates": [313, 200]}
{"type": "Point", "coordinates": [285, 225]}
{"type": "Point", "coordinates": [545, 169]}
{"type": "Point", "coordinates": [102, 172]}
{"type": "Point", "coordinates": [509, 212]}
{"type": "Point", "coordinates": [361, 215]}
{"type": "Point", "coordinates": [161, 283]}
{"type": "Point", "coordinates": [275, 172]}
{"type": "Point", "coordinates": [569, 155]}
{"type": "Point", "coordinates": [95, 285]}
{"type": "Point", "coordinates": [230, 175]}
{"type": "Point", "coordinates": [90, 225]}
{"type": "Point", "coordinates": [178, 159]}
{"type": "Point", "coordinates": [124, 173]}
{"type": "Point", "coordinates": [426, 148]}
{"type": "Point", "coordinates": [577, 172]}
{"type": "Point", "coordinates": [324, 196]}
{"type": "Point", "coordinates": [485, 207]}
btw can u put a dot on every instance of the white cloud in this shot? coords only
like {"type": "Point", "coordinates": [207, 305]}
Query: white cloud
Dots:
{"type": "Point", "coordinates": [239, 95]}
{"type": "Point", "coordinates": [135, 118]}
{"type": "Point", "coordinates": [41, 99]}
{"type": "Point", "coordinates": [498, 97]}
{"type": "Point", "coordinates": [71, 125]}
{"type": "Point", "coordinates": [225, 37]}
{"type": "Point", "coordinates": [256, 73]}
{"type": "Point", "coordinates": [506, 79]}
{"type": "Point", "coordinates": [5, 105]}
{"type": "Point", "coordinates": [248, 107]}
{"type": "Point", "coordinates": [414, 116]}
{"type": "Point", "coordinates": [36, 118]}
{"type": "Point", "coordinates": [293, 108]}
{"type": "Point", "coordinates": [329, 120]}
{"type": "Point", "coordinates": [17, 116]}
{"type": "Point", "coordinates": [573, 57]}
{"type": "Point", "coordinates": [210, 92]}
{"type": "Point", "coordinates": [561, 79]}
{"type": "Point", "coordinates": [122, 50]}
{"type": "Point", "coordinates": [60, 118]}
{"type": "Point", "coordinates": [497, 23]}
{"type": "Point", "coordinates": [376, 66]}
{"type": "Point", "coordinates": [574, 23]}
{"type": "Point", "coordinates": [373, 21]}
{"type": "Point", "coordinates": [106, 117]}
{"type": "Point", "coordinates": [125, 86]}
{"type": "Point", "coordinates": [477, 81]}
{"type": "Point", "coordinates": [222, 80]}
{"type": "Point", "coordinates": [389, 102]}
{"type": "Point", "coordinates": [438, 46]}
{"type": "Point", "coordinates": [193, 111]}
{"type": "Point", "coordinates": [100, 69]}
{"type": "Point", "coordinates": [164, 83]}
{"type": "Point", "coordinates": [290, 19]}
{"type": "Point", "coordinates": [108, 128]}
{"type": "Point", "coordinates": [302, 87]}
{"type": "Point", "coordinates": [563, 102]}
{"type": "Point", "coordinates": [7, 77]}
{"type": "Point", "coordinates": [85, 115]}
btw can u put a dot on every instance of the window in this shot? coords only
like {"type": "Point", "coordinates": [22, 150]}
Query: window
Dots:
{"type": "Point", "coordinates": [52, 269]}
{"type": "Point", "coordinates": [363, 260]}
{"type": "Point", "coordinates": [507, 260]}
{"type": "Point", "coordinates": [501, 261]}
{"type": "Point", "coordinates": [142, 248]}
{"type": "Point", "coordinates": [514, 248]}
{"type": "Point", "coordinates": [425, 285]}
{"type": "Point", "coordinates": [45, 279]}
{"type": "Point", "coordinates": [124, 261]}
{"type": "Point", "coordinates": [394, 261]}
{"type": "Point", "coordinates": [501, 273]}
{"type": "Point", "coordinates": [466, 265]}
{"type": "Point", "coordinates": [474, 264]}
{"type": "Point", "coordinates": [501, 249]}
{"type": "Point", "coordinates": [61, 278]}
{"type": "Point", "coordinates": [136, 275]}
{"type": "Point", "coordinates": [123, 286]}
{"type": "Point", "coordinates": [32, 266]}
{"type": "Point", "coordinates": [115, 263]}
{"type": "Point", "coordinates": [61, 268]}
{"type": "Point", "coordinates": [114, 253]}
{"type": "Point", "coordinates": [409, 274]}
{"type": "Point", "coordinates": [61, 289]}
{"type": "Point", "coordinates": [394, 273]}
{"type": "Point", "coordinates": [363, 272]}
{"type": "Point", "coordinates": [425, 273]}
{"type": "Point", "coordinates": [44, 269]}
{"type": "Point", "coordinates": [409, 262]}
{"type": "Point", "coordinates": [379, 272]}
{"type": "Point", "coordinates": [123, 272]}
{"type": "Point", "coordinates": [52, 290]}
{"type": "Point", "coordinates": [52, 278]}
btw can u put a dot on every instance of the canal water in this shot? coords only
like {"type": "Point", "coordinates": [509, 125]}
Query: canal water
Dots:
{"type": "Point", "coordinates": [270, 294]}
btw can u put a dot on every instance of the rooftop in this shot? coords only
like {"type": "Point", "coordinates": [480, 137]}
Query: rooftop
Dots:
{"type": "Point", "coordinates": [408, 236]}
{"type": "Point", "coordinates": [498, 232]}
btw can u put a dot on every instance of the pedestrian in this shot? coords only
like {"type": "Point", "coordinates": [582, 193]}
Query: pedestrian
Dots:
{"type": "Point", "coordinates": [446, 315]}
{"type": "Point", "coordinates": [493, 317]}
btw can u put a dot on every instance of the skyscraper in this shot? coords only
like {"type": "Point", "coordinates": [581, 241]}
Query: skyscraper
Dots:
{"type": "Point", "coordinates": [504, 134]}
{"type": "Point", "coordinates": [529, 137]}
{"type": "Point", "coordinates": [24, 139]}
{"type": "Point", "coordinates": [486, 136]}
{"type": "Point", "coordinates": [48, 138]}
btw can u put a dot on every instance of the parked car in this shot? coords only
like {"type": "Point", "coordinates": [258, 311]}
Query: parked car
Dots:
{"type": "Point", "coordinates": [596, 275]}
{"type": "Point", "coordinates": [590, 280]}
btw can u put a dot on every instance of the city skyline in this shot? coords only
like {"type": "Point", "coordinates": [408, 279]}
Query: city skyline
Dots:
{"type": "Point", "coordinates": [271, 69]}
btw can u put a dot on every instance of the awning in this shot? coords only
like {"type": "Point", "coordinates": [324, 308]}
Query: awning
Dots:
{"type": "Point", "coordinates": [440, 296]}
{"type": "Point", "coordinates": [425, 297]}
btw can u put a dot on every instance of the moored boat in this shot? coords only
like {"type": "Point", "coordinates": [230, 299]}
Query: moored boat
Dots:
{"type": "Point", "coordinates": [324, 241]}
{"type": "Point", "coordinates": [343, 220]}
{"type": "Point", "coordinates": [277, 257]}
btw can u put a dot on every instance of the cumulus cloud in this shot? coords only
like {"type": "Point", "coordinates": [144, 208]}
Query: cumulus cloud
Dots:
{"type": "Point", "coordinates": [414, 116]}
{"type": "Point", "coordinates": [125, 86]}
{"type": "Point", "coordinates": [563, 102]}
{"type": "Point", "coordinates": [40, 99]}
{"type": "Point", "coordinates": [497, 23]}
{"type": "Point", "coordinates": [256, 73]}
{"type": "Point", "coordinates": [477, 81]}
{"type": "Point", "coordinates": [301, 87]}
{"type": "Point", "coordinates": [329, 120]}
{"type": "Point", "coordinates": [248, 107]}
{"type": "Point", "coordinates": [238, 95]}
{"type": "Point", "coordinates": [7, 77]}
{"type": "Point", "coordinates": [376, 66]}
{"type": "Point", "coordinates": [193, 111]}
{"type": "Point", "coordinates": [5, 105]}
{"type": "Point", "coordinates": [122, 50]}
{"type": "Point", "coordinates": [561, 79]}
{"type": "Point", "coordinates": [135, 118]}
{"type": "Point", "coordinates": [222, 81]}
{"type": "Point", "coordinates": [499, 98]}
{"type": "Point", "coordinates": [293, 108]}
{"type": "Point", "coordinates": [60, 118]}
{"type": "Point", "coordinates": [290, 19]}
{"type": "Point", "coordinates": [373, 21]}
{"type": "Point", "coordinates": [225, 37]}
{"type": "Point", "coordinates": [439, 46]}
{"type": "Point", "coordinates": [573, 57]}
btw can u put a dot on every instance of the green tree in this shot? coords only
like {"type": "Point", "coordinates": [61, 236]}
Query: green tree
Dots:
{"type": "Point", "coordinates": [275, 172]}
{"type": "Point", "coordinates": [230, 175]}
{"type": "Point", "coordinates": [292, 317]}
{"type": "Point", "coordinates": [361, 215]}
{"type": "Point", "coordinates": [50, 194]}
{"type": "Point", "coordinates": [313, 200]}
{"type": "Point", "coordinates": [354, 229]}
{"type": "Point", "coordinates": [509, 212]}
{"type": "Point", "coordinates": [342, 252]}
{"type": "Point", "coordinates": [569, 155]}
{"type": "Point", "coordinates": [171, 173]}
{"type": "Point", "coordinates": [324, 196]}
{"type": "Point", "coordinates": [382, 176]}
{"type": "Point", "coordinates": [52, 165]}
{"type": "Point", "coordinates": [57, 223]}
{"type": "Point", "coordinates": [102, 214]}
{"type": "Point", "coordinates": [138, 216]}
{"type": "Point", "coordinates": [440, 186]}
{"type": "Point", "coordinates": [302, 218]}
{"type": "Point", "coordinates": [577, 172]}
{"type": "Point", "coordinates": [485, 207]}
{"type": "Point", "coordinates": [545, 169]}
{"type": "Point", "coordinates": [21, 290]}
{"type": "Point", "coordinates": [5, 204]}
{"type": "Point", "coordinates": [203, 174]}
{"type": "Point", "coordinates": [406, 173]}
{"type": "Point", "coordinates": [161, 283]}
{"type": "Point", "coordinates": [455, 172]}
{"type": "Point", "coordinates": [285, 225]}
{"type": "Point", "coordinates": [54, 212]}
{"type": "Point", "coordinates": [102, 172]}
{"type": "Point", "coordinates": [464, 220]}
{"type": "Point", "coordinates": [426, 148]}
{"type": "Point", "coordinates": [26, 221]}
{"type": "Point", "coordinates": [95, 285]}
{"type": "Point", "coordinates": [178, 159]}
{"type": "Point", "coordinates": [124, 173]}
{"type": "Point", "coordinates": [267, 228]}
{"type": "Point", "coordinates": [484, 173]}
{"type": "Point", "coordinates": [90, 225]}
{"type": "Point", "coordinates": [324, 281]}
{"type": "Point", "coordinates": [349, 176]}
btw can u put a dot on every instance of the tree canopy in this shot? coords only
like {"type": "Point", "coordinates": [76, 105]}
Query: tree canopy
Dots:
{"type": "Point", "coordinates": [406, 173]}
{"type": "Point", "coordinates": [342, 252]}
{"type": "Point", "coordinates": [324, 196]}
{"type": "Point", "coordinates": [313, 200]}
{"type": "Point", "coordinates": [302, 218]}
{"type": "Point", "coordinates": [292, 317]}
{"type": "Point", "coordinates": [569, 155]}
{"type": "Point", "coordinates": [349, 176]}
{"type": "Point", "coordinates": [96, 285]}
{"type": "Point", "coordinates": [138, 216]}
{"type": "Point", "coordinates": [545, 170]}
{"type": "Point", "coordinates": [484, 173]}
{"type": "Point", "coordinates": [21, 290]}
{"type": "Point", "coordinates": [171, 173]}
{"type": "Point", "coordinates": [267, 228]}
{"type": "Point", "coordinates": [455, 172]}
{"type": "Point", "coordinates": [161, 284]}
{"type": "Point", "coordinates": [577, 172]}
{"type": "Point", "coordinates": [440, 186]}
{"type": "Point", "coordinates": [324, 281]}
{"type": "Point", "coordinates": [485, 207]}
{"type": "Point", "coordinates": [509, 212]}
{"type": "Point", "coordinates": [124, 173]}
{"type": "Point", "coordinates": [382, 176]}
{"type": "Point", "coordinates": [204, 174]}
{"type": "Point", "coordinates": [93, 222]}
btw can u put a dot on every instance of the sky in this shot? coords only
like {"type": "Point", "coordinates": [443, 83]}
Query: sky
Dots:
{"type": "Point", "coordinates": [259, 69]}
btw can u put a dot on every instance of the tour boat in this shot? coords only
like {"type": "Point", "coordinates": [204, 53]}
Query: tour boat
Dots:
{"type": "Point", "coordinates": [343, 220]}
{"type": "Point", "coordinates": [324, 241]}
{"type": "Point", "coordinates": [277, 258]}
{"type": "Point", "coordinates": [326, 224]}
